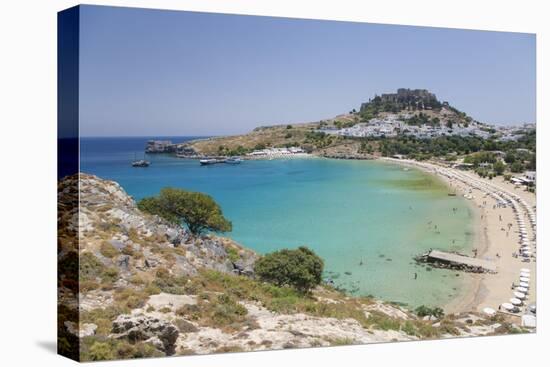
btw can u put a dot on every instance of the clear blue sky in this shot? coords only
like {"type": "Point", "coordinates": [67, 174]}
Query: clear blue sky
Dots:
{"type": "Point", "coordinates": [151, 72]}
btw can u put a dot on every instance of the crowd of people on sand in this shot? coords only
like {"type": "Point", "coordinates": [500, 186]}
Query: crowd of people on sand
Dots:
{"type": "Point", "coordinates": [523, 212]}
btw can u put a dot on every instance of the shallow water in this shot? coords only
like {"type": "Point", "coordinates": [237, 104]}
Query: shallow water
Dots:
{"type": "Point", "coordinates": [349, 212]}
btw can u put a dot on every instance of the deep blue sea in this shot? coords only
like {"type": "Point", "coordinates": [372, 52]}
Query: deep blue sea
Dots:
{"type": "Point", "coordinates": [366, 219]}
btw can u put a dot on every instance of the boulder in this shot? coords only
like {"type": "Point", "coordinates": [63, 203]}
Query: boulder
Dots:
{"type": "Point", "coordinates": [84, 330]}
{"type": "Point", "coordinates": [119, 245]}
{"type": "Point", "coordinates": [174, 235]}
{"type": "Point", "coordinates": [245, 266]}
{"type": "Point", "coordinates": [143, 328]}
{"type": "Point", "coordinates": [123, 262]}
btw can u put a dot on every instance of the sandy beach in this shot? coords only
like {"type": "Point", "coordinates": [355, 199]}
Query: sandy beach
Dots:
{"type": "Point", "coordinates": [503, 212]}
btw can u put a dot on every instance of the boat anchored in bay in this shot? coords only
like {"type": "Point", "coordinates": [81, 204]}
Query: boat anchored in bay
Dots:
{"type": "Point", "coordinates": [140, 163]}
{"type": "Point", "coordinates": [211, 161]}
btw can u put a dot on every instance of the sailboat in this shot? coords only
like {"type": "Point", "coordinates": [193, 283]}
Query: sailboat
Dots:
{"type": "Point", "coordinates": [140, 162]}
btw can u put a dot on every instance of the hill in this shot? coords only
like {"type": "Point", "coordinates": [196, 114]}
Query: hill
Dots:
{"type": "Point", "coordinates": [413, 107]}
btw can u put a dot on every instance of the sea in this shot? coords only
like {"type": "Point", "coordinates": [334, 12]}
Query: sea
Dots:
{"type": "Point", "coordinates": [366, 219]}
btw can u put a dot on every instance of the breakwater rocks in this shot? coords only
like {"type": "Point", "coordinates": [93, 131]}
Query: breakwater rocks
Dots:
{"type": "Point", "coordinates": [455, 261]}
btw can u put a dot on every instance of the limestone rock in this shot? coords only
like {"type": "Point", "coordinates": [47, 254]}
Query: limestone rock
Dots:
{"type": "Point", "coordinates": [84, 330]}
{"type": "Point", "coordinates": [143, 327]}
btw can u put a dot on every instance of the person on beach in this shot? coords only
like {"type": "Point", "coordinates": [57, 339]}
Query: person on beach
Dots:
{"type": "Point", "coordinates": [415, 276]}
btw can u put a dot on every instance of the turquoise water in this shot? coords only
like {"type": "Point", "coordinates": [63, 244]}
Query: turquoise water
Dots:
{"type": "Point", "coordinates": [349, 212]}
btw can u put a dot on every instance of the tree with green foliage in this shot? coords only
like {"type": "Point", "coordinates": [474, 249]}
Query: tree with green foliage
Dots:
{"type": "Point", "coordinates": [481, 157]}
{"type": "Point", "coordinates": [198, 211]}
{"type": "Point", "coordinates": [436, 312]}
{"type": "Point", "coordinates": [300, 268]}
{"type": "Point", "coordinates": [499, 167]}
{"type": "Point", "coordinates": [516, 167]}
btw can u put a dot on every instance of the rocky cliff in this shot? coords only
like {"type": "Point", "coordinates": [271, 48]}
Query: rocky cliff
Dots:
{"type": "Point", "coordinates": [145, 288]}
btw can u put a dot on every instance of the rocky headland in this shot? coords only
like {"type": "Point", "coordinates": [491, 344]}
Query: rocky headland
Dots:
{"type": "Point", "coordinates": [133, 285]}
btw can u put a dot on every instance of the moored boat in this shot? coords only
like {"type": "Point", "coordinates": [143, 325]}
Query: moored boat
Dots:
{"type": "Point", "coordinates": [233, 160]}
{"type": "Point", "coordinates": [209, 161]}
{"type": "Point", "coordinates": [141, 163]}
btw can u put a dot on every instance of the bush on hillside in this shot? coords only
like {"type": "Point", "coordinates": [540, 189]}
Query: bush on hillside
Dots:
{"type": "Point", "coordinates": [300, 268]}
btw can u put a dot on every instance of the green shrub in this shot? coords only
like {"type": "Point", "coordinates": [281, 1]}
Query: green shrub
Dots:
{"type": "Point", "coordinates": [427, 331]}
{"type": "Point", "coordinates": [226, 310]}
{"type": "Point", "coordinates": [448, 327]}
{"type": "Point", "coordinates": [233, 254]}
{"type": "Point", "coordinates": [341, 341]}
{"type": "Point", "coordinates": [408, 328]}
{"type": "Point", "coordinates": [91, 269]}
{"type": "Point", "coordinates": [100, 351]}
{"type": "Point", "coordinates": [103, 317]}
{"type": "Point", "coordinates": [169, 283]}
{"type": "Point", "coordinates": [423, 311]}
{"type": "Point", "coordinates": [222, 312]}
{"type": "Point", "coordinates": [300, 268]}
{"type": "Point", "coordinates": [131, 298]}
{"type": "Point", "coordinates": [108, 250]}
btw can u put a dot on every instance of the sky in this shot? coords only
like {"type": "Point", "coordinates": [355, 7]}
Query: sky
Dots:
{"type": "Point", "coordinates": [171, 73]}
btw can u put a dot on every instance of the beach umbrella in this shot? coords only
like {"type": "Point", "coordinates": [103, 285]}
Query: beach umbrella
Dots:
{"type": "Point", "coordinates": [508, 306]}
{"type": "Point", "coordinates": [489, 311]}
{"type": "Point", "coordinates": [515, 301]}
{"type": "Point", "coordinates": [524, 279]}
{"type": "Point", "coordinates": [525, 270]}
{"type": "Point", "coordinates": [521, 289]}
{"type": "Point", "coordinates": [524, 284]}
{"type": "Point", "coordinates": [519, 295]}
{"type": "Point", "coordinates": [525, 275]}
{"type": "Point", "coordinates": [526, 253]}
